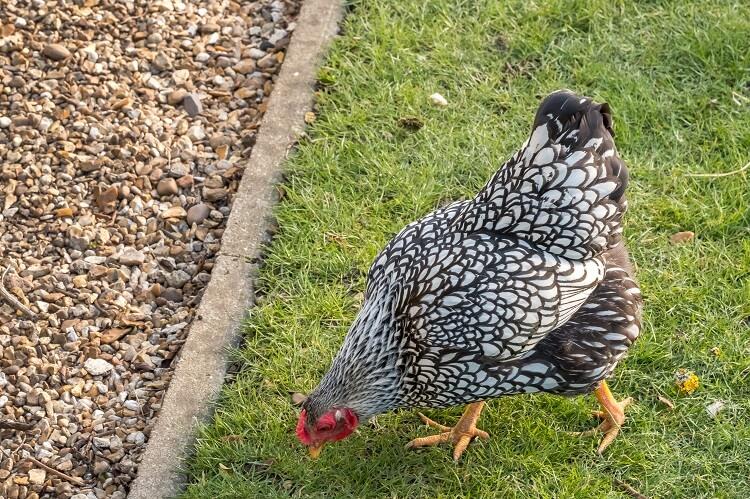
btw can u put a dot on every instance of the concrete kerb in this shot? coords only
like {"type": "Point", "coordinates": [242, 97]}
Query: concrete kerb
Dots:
{"type": "Point", "coordinates": [200, 371]}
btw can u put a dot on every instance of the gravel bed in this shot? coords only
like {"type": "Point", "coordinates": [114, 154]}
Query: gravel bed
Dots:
{"type": "Point", "coordinates": [124, 125]}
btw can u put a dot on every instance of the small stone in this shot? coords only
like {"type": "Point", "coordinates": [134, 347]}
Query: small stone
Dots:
{"type": "Point", "coordinates": [192, 105]}
{"type": "Point", "coordinates": [112, 335]}
{"type": "Point", "coordinates": [115, 442]}
{"type": "Point", "coordinates": [162, 62]}
{"type": "Point", "coordinates": [256, 53]}
{"type": "Point", "coordinates": [244, 93]}
{"type": "Point", "coordinates": [181, 76]}
{"type": "Point", "coordinates": [176, 96]}
{"type": "Point", "coordinates": [198, 213]}
{"type": "Point", "coordinates": [64, 212]}
{"type": "Point", "coordinates": [167, 187]}
{"type": "Point", "coordinates": [5, 122]}
{"type": "Point", "coordinates": [131, 405]}
{"type": "Point", "coordinates": [245, 66]}
{"type": "Point", "coordinates": [80, 281]}
{"type": "Point", "coordinates": [213, 195]}
{"type": "Point", "coordinates": [185, 181]}
{"type": "Point", "coordinates": [37, 476]}
{"type": "Point", "coordinates": [174, 212]}
{"type": "Point", "coordinates": [172, 295]}
{"type": "Point", "coordinates": [132, 257]}
{"type": "Point", "coordinates": [209, 27]}
{"type": "Point", "coordinates": [137, 438]}
{"type": "Point", "coordinates": [268, 61]}
{"type": "Point", "coordinates": [101, 467]}
{"type": "Point", "coordinates": [277, 36]}
{"type": "Point", "coordinates": [102, 443]}
{"type": "Point", "coordinates": [178, 278]}
{"type": "Point", "coordinates": [97, 367]}
{"type": "Point", "coordinates": [219, 139]}
{"type": "Point", "coordinates": [196, 133]}
{"type": "Point", "coordinates": [56, 52]}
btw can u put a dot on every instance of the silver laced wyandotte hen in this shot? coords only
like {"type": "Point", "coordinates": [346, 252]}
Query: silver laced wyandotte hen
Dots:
{"type": "Point", "coordinates": [525, 288]}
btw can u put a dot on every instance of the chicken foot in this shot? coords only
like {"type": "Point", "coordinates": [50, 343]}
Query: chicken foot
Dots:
{"type": "Point", "coordinates": [460, 435]}
{"type": "Point", "coordinates": [613, 416]}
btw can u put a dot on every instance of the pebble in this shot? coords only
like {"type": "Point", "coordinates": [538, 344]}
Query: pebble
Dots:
{"type": "Point", "coordinates": [174, 212]}
{"type": "Point", "coordinates": [196, 133]}
{"type": "Point", "coordinates": [162, 62]}
{"type": "Point", "coordinates": [256, 53]}
{"type": "Point", "coordinates": [56, 52]}
{"type": "Point", "coordinates": [268, 61]}
{"type": "Point", "coordinates": [167, 187]}
{"type": "Point", "coordinates": [178, 278]}
{"type": "Point", "coordinates": [175, 97]}
{"type": "Point", "coordinates": [192, 104]}
{"type": "Point", "coordinates": [131, 405]}
{"type": "Point", "coordinates": [132, 257]}
{"type": "Point", "coordinates": [181, 76]}
{"type": "Point", "coordinates": [214, 195]}
{"type": "Point", "coordinates": [97, 367]}
{"type": "Point", "coordinates": [37, 476]}
{"type": "Point", "coordinates": [245, 66]}
{"type": "Point", "coordinates": [198, 213]}
{"type": "Point", "coordinates": [137, 438]}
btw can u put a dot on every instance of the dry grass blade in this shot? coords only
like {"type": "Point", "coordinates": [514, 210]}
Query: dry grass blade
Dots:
{"type": "Point", "coordinates": [628, 489]}
{"type": "Point", "coordinates": [717, 175]}
{"type": "Point", "coordinates": [72, 479]}
{"type": "Point", "coordinates": [12, 299]}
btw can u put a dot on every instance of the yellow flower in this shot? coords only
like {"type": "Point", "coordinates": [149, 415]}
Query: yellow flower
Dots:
{"type": "Point", "coordinates": [687, 381]}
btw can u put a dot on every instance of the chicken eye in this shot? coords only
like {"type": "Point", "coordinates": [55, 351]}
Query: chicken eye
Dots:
{"type": "Point", "coordinates": [325, 427]}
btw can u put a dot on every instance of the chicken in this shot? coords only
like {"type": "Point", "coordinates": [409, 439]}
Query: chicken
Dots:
{"type": "Point", "coordinates": [525, 288]}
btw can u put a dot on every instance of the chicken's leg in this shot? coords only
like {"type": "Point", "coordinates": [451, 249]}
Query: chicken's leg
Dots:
{"type": "Point", "coordinates": [613, 415]}
{"type": "Point", "coordinates": [460, 435]}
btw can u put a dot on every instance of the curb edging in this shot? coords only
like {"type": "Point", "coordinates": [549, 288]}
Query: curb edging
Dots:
{"type": "Point", "coordinates": [199, 374]}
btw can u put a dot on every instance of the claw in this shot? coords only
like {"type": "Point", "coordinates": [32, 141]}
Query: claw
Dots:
{"type": "Point", "coordinates": [613, 416]}
{"type": "Point", "coordinates": [461, 434]}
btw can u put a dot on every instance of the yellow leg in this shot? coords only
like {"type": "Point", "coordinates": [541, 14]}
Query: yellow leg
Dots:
{"type": "Point", "coordinates": [613, 415]}
{"type": "Point", "coordinates": [460, 435]}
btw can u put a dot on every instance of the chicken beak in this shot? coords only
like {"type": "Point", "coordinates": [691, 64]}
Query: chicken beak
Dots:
{"type": "Point", "coordinates": [315, 450]}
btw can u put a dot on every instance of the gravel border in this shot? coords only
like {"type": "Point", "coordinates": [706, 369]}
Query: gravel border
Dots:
{"type": "Point", "coordinates": [125, 127]}
{"type": "Point", "coordinates": [199, 375]}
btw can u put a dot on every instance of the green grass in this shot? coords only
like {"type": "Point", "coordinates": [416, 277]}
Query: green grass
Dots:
{"type": "Point", "coordinates": [677, 75]}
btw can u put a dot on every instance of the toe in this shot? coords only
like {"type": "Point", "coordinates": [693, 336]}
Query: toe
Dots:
{"type": "Point", "coordinates": [427, 441]}
{"type": "Point", "coordinates": [609, 437]}
{"type": "Point", "coordinates": [481, 434]}
{"type": "Point", "coordinates": [433, 424]}
{"type": "Point", "coordinates": [461, 445]}
{"type": "Point", "coordinates": [599, 414]}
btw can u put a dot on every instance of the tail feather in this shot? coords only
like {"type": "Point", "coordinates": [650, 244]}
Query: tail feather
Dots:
{"type": "Point", "coordinates": [564, 189]}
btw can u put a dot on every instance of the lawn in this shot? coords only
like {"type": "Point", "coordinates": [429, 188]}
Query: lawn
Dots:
{"type": "Point", "coordinates": [677, 75]}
